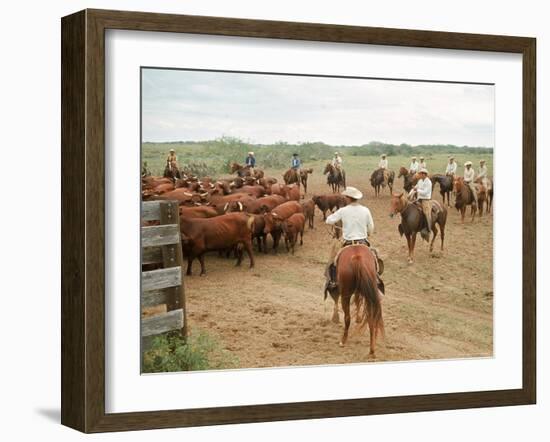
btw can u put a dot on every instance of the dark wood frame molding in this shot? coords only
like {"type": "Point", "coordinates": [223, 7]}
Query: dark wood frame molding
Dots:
{"type": "Point", "coordinates": [83, 215]}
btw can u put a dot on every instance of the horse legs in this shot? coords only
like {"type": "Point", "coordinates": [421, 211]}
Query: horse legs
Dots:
{"type": "Point", "coordinates": [357, 302]}
{"type": "Point", "coordinates": [347, 318]}
{"type": "Point", "coordinates": [434, 230]}
{"type": "Point", "coordinates": [442, 227]}
{"type": "Point", "coordinates": [409, 242]}
{"type": "Point", "coordinates": [413, 243]}
{"type": "Point", "coordinates": [335, 315]}
{"type": "Point", "coordinates": [373, 331]}
{"type": "Point", "coordinates": [463, 213]}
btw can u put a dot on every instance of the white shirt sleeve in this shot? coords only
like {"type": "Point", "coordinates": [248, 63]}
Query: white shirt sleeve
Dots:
{"type": "Point", "coordinates": [370, 224]}
{"type": "Point", "coordinates": [335, 217]}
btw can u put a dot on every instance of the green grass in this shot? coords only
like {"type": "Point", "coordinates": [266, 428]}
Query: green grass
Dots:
{"type": "Point", "coordinates": [170, 353]}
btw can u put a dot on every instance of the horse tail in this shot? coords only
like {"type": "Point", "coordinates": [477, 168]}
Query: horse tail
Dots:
{"type": "Point", "coordinates": [365, 284]}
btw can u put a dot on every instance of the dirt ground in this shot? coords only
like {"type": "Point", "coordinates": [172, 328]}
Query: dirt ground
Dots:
{"type": "Point", "coordinates": [440, 307]}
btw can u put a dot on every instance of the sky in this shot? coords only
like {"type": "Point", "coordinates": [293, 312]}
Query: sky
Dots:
{"type": "Point", "coordinates": [179, 105]}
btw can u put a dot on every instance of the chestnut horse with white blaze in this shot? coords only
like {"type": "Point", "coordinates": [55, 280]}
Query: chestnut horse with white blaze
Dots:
{"type": "Point", "coordinates": [356, 274]}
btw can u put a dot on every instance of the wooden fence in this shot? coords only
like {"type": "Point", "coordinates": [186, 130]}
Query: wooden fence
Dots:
{"type": "Point", "coordinates": [161, 245]}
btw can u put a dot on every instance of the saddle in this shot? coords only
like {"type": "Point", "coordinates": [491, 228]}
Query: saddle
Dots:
{"type": "Point", "coordinates": [379, 261]}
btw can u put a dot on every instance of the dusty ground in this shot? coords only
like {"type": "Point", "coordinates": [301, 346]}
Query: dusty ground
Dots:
{"type": "Point", "coordinates": [274, 314]}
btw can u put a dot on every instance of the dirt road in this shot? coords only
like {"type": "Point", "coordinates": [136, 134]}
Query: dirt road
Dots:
{"type": "Point", "coordinates": [274, 315]}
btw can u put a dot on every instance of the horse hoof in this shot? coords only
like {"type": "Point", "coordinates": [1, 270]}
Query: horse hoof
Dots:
{"type": "Point", "coordinates": [410, 261]}
{"type": "Point", "coordinates": [341, 344]}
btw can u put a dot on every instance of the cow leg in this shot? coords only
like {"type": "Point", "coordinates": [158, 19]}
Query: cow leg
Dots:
{"type": "Point", "coordinates": [239, 255]}
{"type": "Point", "coordinates": [302, 237]}
{"type": "Point", "coordinates": [347, 319]}
{"type": "Point", "coordinates": [248, 248]}
{"type": "Point", "coordinates": [189, 265]}
{"type": "Point", "coordinates": [203, 267]}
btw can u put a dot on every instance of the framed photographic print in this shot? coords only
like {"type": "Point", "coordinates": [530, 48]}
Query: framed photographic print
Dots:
{"type": "Point", "coordinates": [270, 220]}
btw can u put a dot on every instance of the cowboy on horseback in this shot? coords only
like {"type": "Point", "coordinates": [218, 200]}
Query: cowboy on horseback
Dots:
{"type": "Point", "coordinates": [250, 162]}
{"type": "Point", "coordinates": [357, 224]}
{"type": "Point", "coordinates": [337, 161]}
{"type": "Point", "coordinates": [423, 191]}
{"type": "Point", "coordinates": [451, 167]}
{"type": "Point", "coordinates": [469, 176]}
{"type": "Point", "coordinates": [413, 168]}
{"type": "Point", "coordinates": [172, 159]}
{"type": "Point", "coordinates": [383, 164]}
{"type": "Point", "coordinates": [482, 173]}
{"type": "Point", "coordinates": [145, 170]}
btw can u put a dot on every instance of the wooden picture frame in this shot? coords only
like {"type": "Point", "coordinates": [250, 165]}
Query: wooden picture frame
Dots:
{"type": "Point", "coordinates": [83, 220]}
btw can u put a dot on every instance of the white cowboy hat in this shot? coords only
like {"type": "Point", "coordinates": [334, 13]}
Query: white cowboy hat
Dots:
{"type": "Point", "coordinates": [468, 163]}
{"type": "Point", "coordinates": [481, 161]}
{"type": "Point", "coordinates": [423, 170]}
{"type": "Point", "coordinates": [172, 150]}
{"type": "Point", "coordinates": [413, 158]}
{"type": "Point", "coordinates": [383, 155]}
{"type": "Point", "coordinates": [421, 158]}
{"type": "Point", "coordinates": [250, 153]}
{"type": "Point", "coordinates": [451, 157]}
{"type": "Point", "coordinates": [352, 192]}
{"type": "Point", "coordinates": [335, 153]}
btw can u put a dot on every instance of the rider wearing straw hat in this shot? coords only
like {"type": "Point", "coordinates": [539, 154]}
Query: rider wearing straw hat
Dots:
{"type": "Point", "coordinates": [451, 167]}
{"type": "Point", "coordinates": [422, 164]}
{"type": "Point", "coordinates": [357, 224]}
{"type": "Point", "coordinates": [482, 173]}
{"type": "Point", "coordinates": [383, 164]}
{"type": "Point", "coordinates": [469, 176]}
{"type": "Point", "coordinates": [413, 168]}
{"type": "Point", "coordinates": [172, 159]}
{"type": "Point", "coordinates": [423, 190]}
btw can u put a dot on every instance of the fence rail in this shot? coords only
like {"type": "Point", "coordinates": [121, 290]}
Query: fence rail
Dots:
{"type": "Point", "coordinates": [161, 247]}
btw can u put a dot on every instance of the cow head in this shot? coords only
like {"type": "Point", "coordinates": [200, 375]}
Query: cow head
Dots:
{"type": "Point", "coordinates": [272, 222]}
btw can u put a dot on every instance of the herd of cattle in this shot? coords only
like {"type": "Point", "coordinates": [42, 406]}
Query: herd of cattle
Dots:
{"type": "Point", "coordinates": [229, 215]}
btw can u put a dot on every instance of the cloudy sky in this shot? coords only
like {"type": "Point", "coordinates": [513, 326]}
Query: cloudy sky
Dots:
{"type": "Point", "coordinates": [183, 105]}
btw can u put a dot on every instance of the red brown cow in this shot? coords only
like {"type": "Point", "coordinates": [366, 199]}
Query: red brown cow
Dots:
{"type": "Point", "coordinates": [252, 205]}
{"type": "Point", "coordinates": [256, 191]}
{"type": "Point", "coordinates": [292, 192]}
{"type": "Point", "coordinates": [274, 219]}
{"type": "Point", "coordinates": [309, 211]}
{"type": "Point", "coordinates": [198, 212]}
{"type": "Point", "coordinates": [278, 189]}
{"type": "Point", "coordinates": [291, 227]}
{"type": "Point", "coordinates": [221, 202]}
{"type": "Point", "coordinates": [328, 202]}
{"type": "Point", "coordinates": [183, 196]}
{"type": "Point", "coordinates": [224, 232]}
{"type": "Point", "coordinates": [259, 234]}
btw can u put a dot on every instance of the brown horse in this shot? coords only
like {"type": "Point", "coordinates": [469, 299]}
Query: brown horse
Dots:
{"type": "Point", "coordinates": [356, 274]}
{"type": "Point", "coordinates": [291, 177]}
{"type": "Point", "coordinates": [244, 171]}
{"type": "Point", "coordinates": [377, 180]}
{"type": "Point", "coordinates": [464, 198]}
{"type": "Point", "coordinates": [413, 221]}
{"type": "Point", "coordinates": [304, 176]}
{"type": "Point", "coordinates": [445, 186]}
{"type": "Point", "coordinates": [409, 179]}
{"type": "Point", "coordinates": [336, 179]}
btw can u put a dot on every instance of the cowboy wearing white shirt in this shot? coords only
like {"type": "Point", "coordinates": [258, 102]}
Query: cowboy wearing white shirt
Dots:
{"type": "Point", "coordinates": [357, 224]}
{"type": "Point", "coordinates": [469, 176]}
{"type": "Point", "coordinates": [337, 161]}
{"type": "Point", "coordinates": [423, 190]}
{"type": "Point", "coordinates": [422, 164]}
{"type": "Point", "coordinates": [451, 167]}
{"type": "Point", "coordinates": [482, 173]}
{"type": "Point", "coordinates": [413, 168]}
{"type": "Point", "coordinates": [383, 164]}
